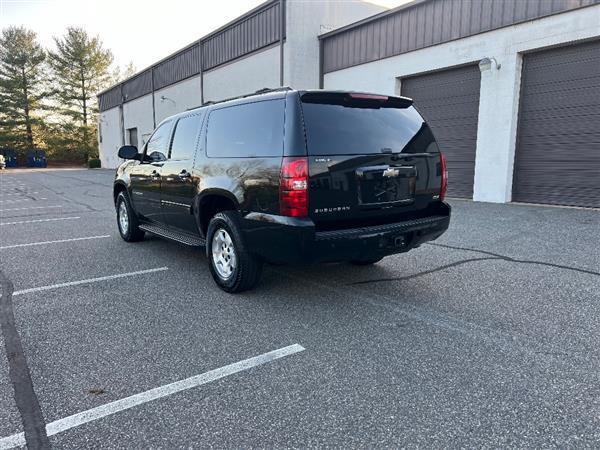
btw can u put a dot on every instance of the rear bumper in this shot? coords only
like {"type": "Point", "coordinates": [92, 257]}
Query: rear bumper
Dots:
{"type": "Point", "coordinates": [281, 239]}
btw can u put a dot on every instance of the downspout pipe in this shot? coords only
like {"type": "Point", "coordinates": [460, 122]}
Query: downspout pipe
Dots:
{"type": "Point", "coordinates": [281, 39]}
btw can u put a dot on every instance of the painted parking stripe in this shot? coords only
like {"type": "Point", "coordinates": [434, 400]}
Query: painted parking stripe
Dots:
{"type": "Point", "coordinates": [18, 200]}
{"type": "Point", "coordinates": [108, 409]}
{"type": "Point", "coordinates": [30, 244]}
{"type": "Point", "coordinates": [39, 220]}
{"type": "Point", "coordinates": [88, 281]}
{"type": "Point", "coordinates": [31, 207]}
{"type": "Point", "coordinates": [17, 193]}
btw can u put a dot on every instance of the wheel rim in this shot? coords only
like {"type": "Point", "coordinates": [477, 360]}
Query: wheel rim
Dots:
{"type": "Point", "coordinates": [123, 218]}
{"type": "Point", "coordinates": [223, 254]}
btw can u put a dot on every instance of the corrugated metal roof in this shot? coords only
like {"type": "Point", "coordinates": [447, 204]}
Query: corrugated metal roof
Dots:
{"type": "Point", "coordinates": [179, 67]}
{"type": "Point", "coordinates": [137, 86]}
{"type": "Point", "coordinates": [424, 23]}
{"type": "Point", "coordinates": [254, 30]}
{"type": "Point", "coordinates": [109, 99]}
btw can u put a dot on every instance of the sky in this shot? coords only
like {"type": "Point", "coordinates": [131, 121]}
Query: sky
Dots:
{"type": "Point", "coordinates": [137, 31]}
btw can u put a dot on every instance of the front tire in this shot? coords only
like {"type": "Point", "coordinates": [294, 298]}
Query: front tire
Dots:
{"type": "Point", "coordinates": [127, 221]}
{"type": "Point", "coordinates": [232, 267]}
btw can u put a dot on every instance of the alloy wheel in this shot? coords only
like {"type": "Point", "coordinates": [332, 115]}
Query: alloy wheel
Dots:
{"type": "Point", "coordinates": [223, 254]}
{"type": "Point", "coordinates": [123, 218]}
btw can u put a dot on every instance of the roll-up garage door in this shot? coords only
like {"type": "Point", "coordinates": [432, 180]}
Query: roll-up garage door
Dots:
{"type": "Point", "coordinates": [557, 157]}
{"type": "Point", "coordinates": [449, 101]}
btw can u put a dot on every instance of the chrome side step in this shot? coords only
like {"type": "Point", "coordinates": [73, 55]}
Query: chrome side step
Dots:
{"type": "Point", "coordinates": [184, 238]}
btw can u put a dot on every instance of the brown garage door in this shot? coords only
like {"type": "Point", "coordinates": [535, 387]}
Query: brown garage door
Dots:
{"type": "Point", "coordinates": [449, 101]}
{"type": "Point", "coordinates": [557, 158]}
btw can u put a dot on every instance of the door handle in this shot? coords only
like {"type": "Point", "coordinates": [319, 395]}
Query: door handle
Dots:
{"type": "Point", "coordinates": [184, 174]}
{"type": "Point", "coordinates": [154, 175]}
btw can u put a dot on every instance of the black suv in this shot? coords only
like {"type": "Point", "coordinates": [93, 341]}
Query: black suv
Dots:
{"type": "Point", "coordinates": [287, 176]}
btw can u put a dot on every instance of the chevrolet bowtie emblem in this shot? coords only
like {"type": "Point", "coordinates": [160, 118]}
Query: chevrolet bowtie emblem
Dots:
{"type": "Point", "coordinates": [390, 172]}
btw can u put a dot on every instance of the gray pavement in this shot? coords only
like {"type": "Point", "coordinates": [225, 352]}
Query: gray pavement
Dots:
{"type": "Point", "coordinates": [486, 338]}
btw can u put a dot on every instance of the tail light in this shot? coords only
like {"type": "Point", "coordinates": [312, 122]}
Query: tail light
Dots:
{"type": "Point", "coordinates": [293, 187]}
{"type": "Point", "coordinates": [444, 170]}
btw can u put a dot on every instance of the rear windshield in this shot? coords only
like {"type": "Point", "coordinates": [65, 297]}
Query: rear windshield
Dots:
{"type": "Point", "coordinates": [343, 126]}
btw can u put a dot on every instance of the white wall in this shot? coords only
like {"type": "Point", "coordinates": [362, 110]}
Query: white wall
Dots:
{"type": "Point", "coordinates": [109, 129]}
{"type": "Point", "coordinates": [246, 75]}
{"type": "Point", "coordinates": [498, 107]}
{"type": "Point", "coordinates": [177, 98]}
{"type": "Point", "coordinates": [138, 114]}
{"type": "Point", "coordinates": [305, 20]}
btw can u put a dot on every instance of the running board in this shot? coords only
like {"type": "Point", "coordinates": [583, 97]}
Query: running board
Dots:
{"type": "Point", "coordinates": [184, 238]}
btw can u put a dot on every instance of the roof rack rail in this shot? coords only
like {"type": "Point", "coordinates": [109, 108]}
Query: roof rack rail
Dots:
{"type": "Point", "coordinates": [277, 89]}
{"type": "Point", "coordinates": [260, 91]}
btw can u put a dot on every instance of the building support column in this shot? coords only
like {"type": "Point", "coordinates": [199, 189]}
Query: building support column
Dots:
{"type": "Point", "coordinates": [497, 127]}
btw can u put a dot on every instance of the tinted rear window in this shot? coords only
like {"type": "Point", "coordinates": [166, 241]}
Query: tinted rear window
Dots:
{"type": "Point", "coordinates": [246, 131]}
{"type": "Point", "coordinates": [351, 128]}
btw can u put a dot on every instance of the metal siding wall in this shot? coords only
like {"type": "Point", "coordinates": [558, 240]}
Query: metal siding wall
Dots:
{"type": "Point", "coordinates": [558, 144]}
{"type": "Point", "coordinates": [429, 23]}
{"type": "Point", "coordinates": [449, 101]}
{"type": "Point", "coordinates": [180, 67]}
{"type": "Point", "coordinates": [110, 99]}
{"type": "Point", "coordinates": [251, 33]}
{"type": "Point", "coordinates": [138, 86]}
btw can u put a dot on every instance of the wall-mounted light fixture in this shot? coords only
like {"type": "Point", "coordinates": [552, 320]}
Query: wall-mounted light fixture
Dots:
{"type": "Point", "coordinates": [163, 98]}
{"type": "Point", "coordinates": [488, 64]}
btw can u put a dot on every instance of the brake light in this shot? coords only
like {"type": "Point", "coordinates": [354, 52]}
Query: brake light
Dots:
{"type": "Point", "coordinates": [381, 98]}
{"type": "Point", "coordinates": [444, 170]}
{"type": "Point", "coordinates": [293, 187]}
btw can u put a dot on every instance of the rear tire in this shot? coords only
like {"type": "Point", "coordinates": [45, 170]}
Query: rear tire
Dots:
{"type": "Point", "coordinates": [232, 267]}
{"type": "Point", "coordinates": [127, 220]}
{"type": "Point", "coordinates": [365, 262]}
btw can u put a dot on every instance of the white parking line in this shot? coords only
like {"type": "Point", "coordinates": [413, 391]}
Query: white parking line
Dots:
{"type": "Point", "coordinates": [88, 281]}
{"type": "Point", "coordinates": [39, 220]}
{"type": "Point", "coordinates": [31, 207]}
{"type": "Point", "coordinates": [17, 193]}
{"type": "Point", "coordinates": [55, 242]}
{"type": "Point", "coordinates": [17, 200]}
{"type": "Point", "coordinates": [111, 408]}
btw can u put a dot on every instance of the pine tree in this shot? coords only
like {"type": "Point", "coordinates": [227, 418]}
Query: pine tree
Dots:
{"type": "Point", "coordinates": [22, 87]}
{"type": "Point", "coordinates": [81, 69]}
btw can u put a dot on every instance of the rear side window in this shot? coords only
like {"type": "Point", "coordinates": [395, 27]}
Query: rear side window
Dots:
{"type": "Point", "coordinates": [184, 140]}
{"type": "Point", "coordinates": [338, 127]}
{"type": "Point", "coordinates": [246, 131]}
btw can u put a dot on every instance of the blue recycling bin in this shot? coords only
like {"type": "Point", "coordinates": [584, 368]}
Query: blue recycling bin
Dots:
{"type": "Point", "coordinates": [30, 158]}
{"type": "Point", "coordinates": [10, 157]}
{"type": "Point", "coordinates": [41, 160]}
{"type": "Point", "coordinates": [36, 158]}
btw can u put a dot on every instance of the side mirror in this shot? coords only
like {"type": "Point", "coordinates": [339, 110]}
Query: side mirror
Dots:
{"type": "Point", "coordinates": [128, 152]}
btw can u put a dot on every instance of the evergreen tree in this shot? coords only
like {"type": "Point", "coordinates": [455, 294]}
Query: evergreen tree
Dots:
{"type": "Point", "coordinates": [22, 87]}
{"type": "Point", "coordinates": [81, 69]}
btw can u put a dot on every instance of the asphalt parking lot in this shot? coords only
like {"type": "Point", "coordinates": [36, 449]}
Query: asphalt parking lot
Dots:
{"type": "Point", "coordinates": [486, 338]}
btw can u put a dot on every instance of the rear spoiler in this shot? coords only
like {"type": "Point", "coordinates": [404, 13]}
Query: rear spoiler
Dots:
{"type": "Point", "coordinates": [355, 99]}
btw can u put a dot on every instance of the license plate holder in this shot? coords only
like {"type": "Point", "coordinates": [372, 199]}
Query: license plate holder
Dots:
{"type": "Point", "coordinates": [376, 189]}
